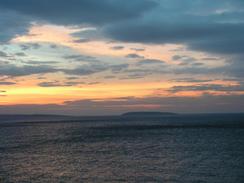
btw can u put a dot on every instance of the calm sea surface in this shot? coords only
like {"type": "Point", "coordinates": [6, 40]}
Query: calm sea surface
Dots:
{"type": "Point", "coordinates": [139, 150]}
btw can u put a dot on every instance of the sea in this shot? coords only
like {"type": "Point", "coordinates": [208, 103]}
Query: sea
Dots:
{"type": "Point", "coordinates": [199, 148]}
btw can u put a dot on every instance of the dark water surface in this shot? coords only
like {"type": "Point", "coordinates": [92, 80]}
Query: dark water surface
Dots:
{"type": "Point", "coordinates": [122, 151]}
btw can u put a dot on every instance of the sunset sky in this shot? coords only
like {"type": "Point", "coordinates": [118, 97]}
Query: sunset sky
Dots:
{"type": "Point", "coordinates": [100, 57]}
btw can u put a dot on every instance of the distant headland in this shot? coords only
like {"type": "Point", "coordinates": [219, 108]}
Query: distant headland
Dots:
{"type": "Point", "coordinates": [148, 113]}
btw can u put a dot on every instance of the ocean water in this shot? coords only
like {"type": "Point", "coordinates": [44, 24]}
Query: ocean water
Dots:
{"type": "Point", "coordinates": [125, 150]}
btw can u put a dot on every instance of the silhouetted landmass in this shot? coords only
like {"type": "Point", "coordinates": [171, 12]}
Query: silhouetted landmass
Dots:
{"type": "Point", "coordinates": [33, 117]}
{"type": "Point", "coordinates": [135, 120]}
{"type": "Point", "coordinates": [148, 113]}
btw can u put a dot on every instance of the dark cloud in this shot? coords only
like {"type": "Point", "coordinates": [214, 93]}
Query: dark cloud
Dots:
{"type": "Point", "coordinates": [197, 64]}
{"type": "Point", "coordinates": [72, 78]}
{"type": "Point", "coordinates": [12, 24]}
{"type": "Point", "coordinates": [82, 40]}
{"type": "Point", "coordinates": [78, 12]}
{"type": "Point", "coordinates": [235, 67]}
{"type": "Point", "coordinates": [37, 62]}
{"type": "Point", "coordinates": [53, 46]}
{"type": "Point", "coordinates": [210, 58]}
{"type": "Point", "coordinates": [117, 47]}
{"type": "Point", "coordinates": [208, 87]}
{"type": "Point", "coordinates": [204, 25]}
{"type": "Point", "coordinates": [3, 54]}
{"type": "Point", "coordinates": [28, 46]}
{"type": "Point", "coordinates": [2, 95]}
{"type": "Point", "coordinates": [90, 34]}
{"type": "Point", "coordinates": [191, 69]}
{"type": "Point", "coordinates": [138, 49]}
{"type": "Point", "coordinates": [20, 54]}
{"type": "Point", "coordinates": [13, 70]}
{"type": "Point", "coordinates": [119, 67]}
{"type": "Point", "coordinates": [86, 70]}
{"type": "Point", "coordinates": [150, 62]}
{"type": "Point", "coordinates": [134, 56]}
{"type": "Point", "coordinates": [184, 60]}
{"type": "Point", "coordinates": [140, 72]}
{"type": "Point", "coordinates": [81, 58]}
{"type": "Point", "coordinates": [93, 83]}
{"type": "Point", "coordinates": [58, 84]}
{"type": "Point", "coordinates": [210, 37]}
{"type": "Point", "coordinates": [132, 76]}
{"type": "Point", "coordinates": [192, 80]}
{"type": "Point", "coordinates": [200, 25]}
{"type": "Point", "coordinates": [90, 69]}
{"type": "Point", "coordinates": [41, 77]}
{"type": "Point", "coordinates": [7, 83]}
{"type": "Point", "coordinates": [39, 67]}
{"type": "Point", "coordinates": [177, 57]}
{"type": "Point", "coordinates": [177, 49]}
{"type": "Point", "coordinates": [109, 77]}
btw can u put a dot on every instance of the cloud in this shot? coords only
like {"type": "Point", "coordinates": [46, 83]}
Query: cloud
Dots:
{"type": "Point", "coordinates": [36, 62]}
{"type": "Point", "coordinates": [192, 80]}
{"type": "Point", "coordinates": [197, 64]}
{"type": "Point", "coordinates": [235, 68]}
{"type": "Point", "coordinates": [132, 76]}
{"type": "Point", "coordinates": [3, 54]}
{"type": "Point", "coordinates": [43, 67]}
{"type": "Point", "coordinates": [85, 70]}
{"type": "Point", "coordinates": [196, 24]}
{"type": "Point", "coordinates": [95, 68]}
{"type": "Point", "coordinates": [210, 58]}
{"type": "Point", "coordinates": [13, 70]}
{"type": "Point", "coordinates": [138, 49]}
{"type": "Point", "coordinates": [93, 83]}
{"type": "Point", "coordinates": [210, 26]}
{"type": "Point", "coordinates": [214, 27]}
{"type": "Point", "coordinates": [186, 60]}
{"type": "Point", "coordinates": [117, 47]}
{"type": "Point", "coordinates": [140, 72]}
{"type": "Point", "coordinates": [58, 84]}
{"type": "Point", "coordinates": [20, 54]}
{"type": "Point", "coordinates": [183, 57]}
{"type": "Point", "coordinates": [207, 37]}
{"type": "Point", "coordinates": [7, 83]}
{"type": "Point", "coordinates": [109, 77]}
{"type": "Point", "coordinates": [12, 24]}
{"type": "Point", "coordinates": [81, 58]}
{"type": "Point", "coordinates": [53, 46]}
{"type": "Point", "coordinates": [81, 40]}
{"type": "Point", "coordinates": [72, 78]}
{"type": "Point", "coordinates": [150, 62]}
{"type": "Point", "coordinates": [90, 33]}
{"type": "Point", "coordinates": [134, 56]}
{"type": "Point", "coordinates": [2, 93]}
{"type": "Point", "coordinates": [208, 87]}
{"type": "Point", "coordinates": [79, 12]}
{"type": "Point", "coordinates": [28, 46]}
{"type": "Point", "coordinates": [119, 67]}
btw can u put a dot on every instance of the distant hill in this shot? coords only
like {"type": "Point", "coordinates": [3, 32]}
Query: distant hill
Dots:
{"type": "Point", "coordinates": [33, 118]}
{"type": "Point", "coordinates": [148, 113]}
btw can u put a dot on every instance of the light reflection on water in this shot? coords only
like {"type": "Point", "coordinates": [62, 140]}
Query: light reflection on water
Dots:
{"type": "Point", "coordinates": [99, 152]}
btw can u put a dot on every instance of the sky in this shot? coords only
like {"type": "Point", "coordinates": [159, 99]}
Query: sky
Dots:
{"type": "Point", "coordinates": [106, 57]}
